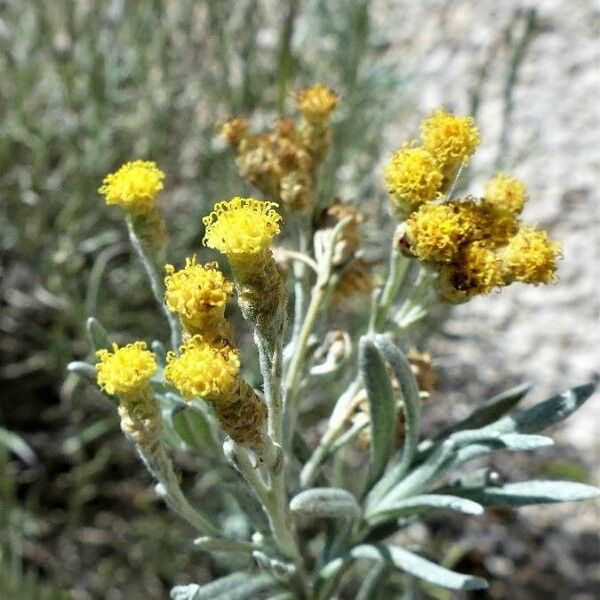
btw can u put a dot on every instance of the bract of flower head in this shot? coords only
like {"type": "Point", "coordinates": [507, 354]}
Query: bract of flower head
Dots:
{"type": "Point", "coordinates": [197, 293]}
{"type": "Point", "coordinates": [241, 226]}
{"type": "Point", "coordinates": [206, 370]}
{"type": "Point", "coordinates": [450, 138]}
{"type": "Point", "coordinates": [506, 193]}
{"type": "Point", "coordinates": [412, 177]}
{"type": "Point", "coordinates": [316, 103]}
{"type": "Point", "coordinates": [134, 186]}
{"type": "Point", "coordinates": [125, 371]}
{"type": "Point", "coordinates": [531, 257]}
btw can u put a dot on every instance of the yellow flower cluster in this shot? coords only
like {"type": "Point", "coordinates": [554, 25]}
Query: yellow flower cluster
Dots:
{"type": "Point", "coordinates": [199, 295]}
{"type": "Point", "coordinates": [476, 245]}
{"type": "Point", "coordinates": [134, 186]}
{"type": "Point", "coordinates": [206, 370]}
{"type": "Point", "coordinates": [126, 371]}
{"type": "Point", "coordinates": [212, 371]}
{"type": "Point", "coordinates": [419, 174]}
{"type": "Point", "coordinates": [282, 163]}
{"type": "Point", "coordinates": [242, 229]}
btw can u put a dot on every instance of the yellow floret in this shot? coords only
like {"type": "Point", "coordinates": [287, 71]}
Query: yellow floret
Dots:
{"type": "Point", "coordinates": [125, 371]}
{"type": "Point", "coordinates": [412, 177]}
{"type": "Point", "coordinates": [452, 139]}
{"type": "Point", "coordinates": [242, 226]}
{"type": "Point", "coordinates": [317, 102]}
{"type": "Point", "coordinates": [477, 270]}
{"type": "Point", "coordinates": [531, 257]}
{"type": "Point", "coordinates": [205, 370]}
{"type": "Point", "coordinates": [134, 186]}
{"type": "Point", "coordinates": [506, 192]}
{"type": "Point", "coordinates": [197, 293]}
{"type": "Point", "coordinates": [436, 232]}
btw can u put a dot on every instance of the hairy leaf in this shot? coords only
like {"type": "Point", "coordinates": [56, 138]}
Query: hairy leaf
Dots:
{"type": "Point", "coordinates": [382, 407]}
{"type": "Point", "coordinates": [418, 566]}
{"type": "Point", "coordinates": [97, 334]}
{"type": "Point", "coordinates": [397, 508]}
{"type": "Point", "coordinates": [528, 492]}
{"type": "Point", "coordinates": [237, 586]}
{"type": "Point", "coordinates": [325, 502]}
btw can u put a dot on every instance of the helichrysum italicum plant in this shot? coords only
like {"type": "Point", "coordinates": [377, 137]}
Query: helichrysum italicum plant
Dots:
{"type": "Point", "coordinates": [445, 247]}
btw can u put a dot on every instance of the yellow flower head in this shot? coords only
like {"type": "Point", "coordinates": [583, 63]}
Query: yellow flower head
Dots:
{"type": "Point", "coordinates": [235, 130]}
{"type": "Point", "coordinates": [412, 176]}
{"type": "Point", "coordinates": [436, 231]}
{"type": "Point", "coordinates": [134, 186]}
{"type": "Point", "coordinates": [531, 257]}
{"type": "Point", "coordinates": [506, 192]}
{"type": "Point", "coordinates": [316, 103]}
{"type": "Point", "coordinates": [488, 223]}
{"type": "Point", "coordinates": [125, 371]}
{"type": "Point", "coordinates": [197, 293]}
{"type": "Point", "coordinates": [452, 139]}
{"type": "Point", "coordinates": [477, 271]}
{"type": "Point", "coordinates": [205, 370]}
{"type": "Point", "coordinates": [242, 226]}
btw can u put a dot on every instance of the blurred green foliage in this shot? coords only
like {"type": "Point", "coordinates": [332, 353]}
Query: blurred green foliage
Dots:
{"type": "Point", "coordinates": [87, 85]}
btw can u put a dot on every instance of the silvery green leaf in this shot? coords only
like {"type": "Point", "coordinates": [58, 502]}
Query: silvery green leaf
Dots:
{"type": "Point", "coordinates": [411, 402]}
{"type": "Point", "coordinates": [416, 565]}
{"type": "Point", "coordinates": [17, 445]}
{"type": "Point", "coordinates": [326, 503]}
{"type": "Point", "coordinates": [83, 369]}
{"type": "Point", "coordinates": [416, 481]}
{"type": "Point", "coordinates": [237, 586]}
{"type": "Point", "coordinates": [489, 411]}
{"type": "Point", "coordinates": [185, 592]}
{"type": "Point", "coordinates": [348, 436]}
{"type": "Point", "coordinates": [382, 407]}
{"type": "Point", "coordinates": [210, 544]}
{"type": "Point", "coordinates": [528, 492]}
{"type": "Point", "coordinates": [510, 441]}
{"type": "Point", "coordinates": [388, 510]}
{"type": "Point", "coordinates": [545, 413]}
{"type": "Point", "coordinates": [97, 334]}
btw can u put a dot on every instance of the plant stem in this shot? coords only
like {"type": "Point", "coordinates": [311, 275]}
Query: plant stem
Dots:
{"type": "Point", "coordinates": [397, 271]}
{"type": "Point", "coordinates": [161, 467]}
{"type": "Point", "coordinates": [156, 284]}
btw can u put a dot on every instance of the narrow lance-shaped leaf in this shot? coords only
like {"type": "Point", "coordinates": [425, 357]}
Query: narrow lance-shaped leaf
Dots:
{"type": "Point", "coordinates": [527, 492]}
{"type": "Point", "coordinates": [489, 411]}
{"type": "Point", "coordinates": [545, 413]}
{"type": "Point", "coordinates": [417, 504]}
{"type": "Point", "coordinates": [325, 503]}
{"type": "Point", "coordinates": [415, 482]}
{"type": "Point", "coordinates": [237, 586]}
{"type": "Point", "coordinates": [418, 566]}
{"type": "Point", "coordinates": [371, 587]}
{"type": "Point", "coordinates": [382, 407]}
{"type": "Point", "coordinates": [411, 399]}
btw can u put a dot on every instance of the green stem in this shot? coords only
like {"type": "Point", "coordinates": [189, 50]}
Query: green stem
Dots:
{"type": "Point", "coordinates": [396, 274]}
{"type": "Point", "coordinates": [156, 284]}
